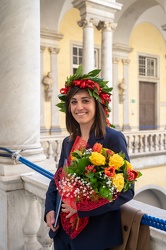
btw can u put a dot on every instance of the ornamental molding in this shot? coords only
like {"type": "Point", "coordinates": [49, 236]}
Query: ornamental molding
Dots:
{"type": "Point", "coordinates": [49, 38]}
{"type": "Point", "coordinates": [53, 50]}
{"type": "Point", "coordinates": [125, 61]}
{"type": "Point", "coordinates": [103, 10]}
{"type": "Point", "coordinates": [42, 48]}
{"type": "Point", "coordinates": [51, 35]}
{"type": "Point", "coordinates": [121, 48]}
{"type": "Point", "coordinates": [88, 22]}
{"type": "Point", "coordinates": [106, 25]}
{"type": "Point", "coordinates": [115, 60]}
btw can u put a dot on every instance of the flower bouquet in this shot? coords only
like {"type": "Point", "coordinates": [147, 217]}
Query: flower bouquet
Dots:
{"type": "Point", "coordinates": [92, 178]}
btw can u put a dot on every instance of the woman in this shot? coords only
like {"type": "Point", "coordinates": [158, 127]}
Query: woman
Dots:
{"type": "Point", "coordinates": [85, 99]}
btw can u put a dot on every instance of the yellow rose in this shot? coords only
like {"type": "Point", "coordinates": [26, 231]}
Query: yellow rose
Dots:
{"type": "Point", "coordinates": [129, 166]}
{"type": "Point", "coordinates": [116, 161]}
{"type": "Point", "coordinates": [97, 159]}
{"type": "Point", "coordinates": [118, 182]}
{"type": "Point", "coordinates": [73, 158]}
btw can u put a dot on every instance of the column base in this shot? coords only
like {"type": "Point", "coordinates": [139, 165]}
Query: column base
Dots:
{"type": "Point", "coordinates": [43, 130]}
{"type": "Point", "coordinates": [126, 127]}
{"type": "Point", "coordinates": [117, 127]}
{"type": "Point", "coordinates": [55, 130]}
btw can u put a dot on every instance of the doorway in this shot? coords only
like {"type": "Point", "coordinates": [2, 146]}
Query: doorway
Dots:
{"type": "Point", "coordinates": [147, 106]}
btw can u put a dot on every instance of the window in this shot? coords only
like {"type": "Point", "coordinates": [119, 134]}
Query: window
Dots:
{"type": "Point", "coordinates": [147, 66]}
{"type": "Point", "coordinates": [77, 57]}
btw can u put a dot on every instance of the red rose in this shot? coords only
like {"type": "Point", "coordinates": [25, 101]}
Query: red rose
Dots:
{"type": "Point", "coordinates": [97, 147]}
{"type": "Point", "coordinates": [64, 91]}
{"type": "Point", "coordinates": [132, 174]}
{"type": "Point", "coordinates": [110, 171]}
{"type": "Point", "coordinates": [105, 97]}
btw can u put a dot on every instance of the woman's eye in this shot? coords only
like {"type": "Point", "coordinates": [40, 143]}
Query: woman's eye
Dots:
{"type": "Point", "coordinates": [85, 101]}
{"type": "Point", "coordinates": [73, 102]}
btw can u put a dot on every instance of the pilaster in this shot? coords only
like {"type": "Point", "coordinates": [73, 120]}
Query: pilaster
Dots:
{"type": "Point", "coordinates": [42, 125]}
{"type": "Point", "coordinates": [55, 127]}
{"type": "Point", "coordinates": [126, 125]}
{"type": "Point", "coordinates": [50, 40]}
{"type": "Point", "coordinates": [115, 96]}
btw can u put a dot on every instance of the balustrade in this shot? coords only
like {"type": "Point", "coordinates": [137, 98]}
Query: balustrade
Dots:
{"type": "Point", "coordinates": [32, 224]}
{"type": "Point", "coordinates": [36, 233]}
{"type": "Point", "coordinates": [52, 147]}
{"type": "Point", "coordinates": [139, 142]}
{"type": "Point", "coordinates": [42, 235]}
{"type": "Point", "coordinates": [151, 141]}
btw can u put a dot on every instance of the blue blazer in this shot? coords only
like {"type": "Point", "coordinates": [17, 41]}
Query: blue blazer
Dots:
{"type": "Point", "coordinates": [104, 227]}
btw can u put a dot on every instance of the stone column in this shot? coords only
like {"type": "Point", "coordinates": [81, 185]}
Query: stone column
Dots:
{"type": "Point", "coordinates": [88, 44]}
{"type": "Point", "coordinates": [19, 112]}
{"type": "Point", "coordinates": [106, 52]}
{"type": "Point", "coordinates": [20, 81]}
{"type": "Point", "coordinates": [54, 100]}
{"type": "Point", "coordinates": [115, 96]}
{"type": "Point", "coordinates": [126, 125]}
{"type": "Point", "coordinates": [42, 125]}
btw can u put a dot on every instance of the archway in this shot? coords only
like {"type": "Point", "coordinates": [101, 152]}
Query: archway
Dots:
{"type": "Point", "coordinates": [152, 197]}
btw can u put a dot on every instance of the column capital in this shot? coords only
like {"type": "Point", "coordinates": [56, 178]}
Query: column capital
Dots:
{"type": "Point", "coordinates": [106, 25]}
{"type": "Point", "coordinates": [42, 48]}
{"type": "Point", "coordinates": [125, 61]}
{"type": "Point", "coordinates": [115, 60]}
{"type": "Point", "coordinates": [88, 22]}
{"type": "Point", "coordinates": [53, 50]}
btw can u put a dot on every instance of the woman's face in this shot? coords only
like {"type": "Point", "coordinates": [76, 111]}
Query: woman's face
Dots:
{"type": "Point", "coordinates": [83, 108]}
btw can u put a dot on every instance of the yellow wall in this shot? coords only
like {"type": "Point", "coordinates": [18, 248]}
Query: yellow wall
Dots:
{"type": "Point", "coordinates": [152, 176]}
{"type": "Point", "coordinates": [147, 39]}
{"type": "Point", "coordinates": [144, 39]}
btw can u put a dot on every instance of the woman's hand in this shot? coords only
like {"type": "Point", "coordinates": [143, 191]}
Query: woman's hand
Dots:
{"type": "Point", "coordinates": [50, 218]}
{"type": "Point", "coordinates": [68, 209]}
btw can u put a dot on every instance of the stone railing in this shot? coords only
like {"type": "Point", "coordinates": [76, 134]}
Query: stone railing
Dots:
{"type": "Point", "coordinates": [52, 146]}
{"type": "Point", "coordinates": [36, 232]}
{"type": "Point", "coordinates": [146, 142]}
{"type": "Point", "coordinates": [151, 144]}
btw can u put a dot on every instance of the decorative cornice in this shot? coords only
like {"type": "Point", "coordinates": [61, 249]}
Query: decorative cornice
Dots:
{"type": "Point", "coordinates": [103, 10]}
{"type": "Point", "coordinates": [51, 35]}
{"type": "Point", "coordinates": [122, 48]}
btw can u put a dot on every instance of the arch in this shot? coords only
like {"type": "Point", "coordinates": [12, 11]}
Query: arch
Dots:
{"type": "Point", "coordinates": [152, 195]}
{"type": "Point", "coordinates": [129, 16]}
{"type": "Point", "coordinates": [52, 12]}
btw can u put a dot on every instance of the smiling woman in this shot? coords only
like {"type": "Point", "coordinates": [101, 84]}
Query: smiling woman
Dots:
{"type": "Point", "coordinates": [85, 99]}
{"type": "Point", "coordinates": [83, 110]}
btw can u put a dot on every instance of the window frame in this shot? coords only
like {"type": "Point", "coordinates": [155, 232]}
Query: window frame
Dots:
{"type": "Point", "coordinates": [74, 66]}
{"type": "Point", "coordinates": [147, 66]}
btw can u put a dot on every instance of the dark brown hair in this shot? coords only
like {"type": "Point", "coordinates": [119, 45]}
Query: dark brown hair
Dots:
{"type": "Point", "coordinates": [73, 127]}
